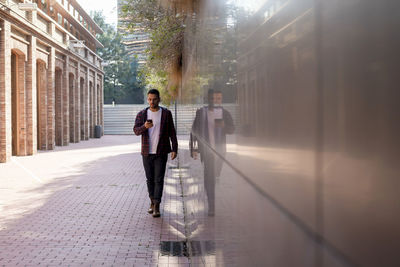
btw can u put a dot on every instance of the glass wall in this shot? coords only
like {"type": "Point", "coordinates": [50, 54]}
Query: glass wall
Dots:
{"type": "Point", "coordinates": [298, 166]}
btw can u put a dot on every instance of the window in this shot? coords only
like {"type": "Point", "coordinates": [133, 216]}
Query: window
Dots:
{"type": "Point", "coordinates": [65, 23]}
{"type": "Point", "coordinates": [59, 19]}
{"type": "Point", "coordinates": [43, 5]}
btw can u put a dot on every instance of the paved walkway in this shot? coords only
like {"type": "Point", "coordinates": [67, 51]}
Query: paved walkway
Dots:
{"type": "Point", "coordinates": [85, 204]}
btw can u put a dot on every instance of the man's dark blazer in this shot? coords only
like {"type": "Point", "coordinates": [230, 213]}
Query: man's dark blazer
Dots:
{"type": "Point", "coordinates": [167, 132]}
{"type": "Point", "coordinates": [199, 134]}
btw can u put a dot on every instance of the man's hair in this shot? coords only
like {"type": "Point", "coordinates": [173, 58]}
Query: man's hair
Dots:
{"type": "Point", "coordinates": [154, 92]}
{"type": "Point", "coordinates": [217, 92]}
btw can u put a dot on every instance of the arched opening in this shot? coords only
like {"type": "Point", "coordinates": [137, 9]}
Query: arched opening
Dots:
{"type": "Point", "coordinates": [41, 96]}
{"type": "Point", "coordinates": [77, 109]}
{"type": "Point", "coordinates": [83, 110]}
{"type": "Point", "coordinates": [91, 109]}
{"type": "Point", "coordinates": [14, 104]}
{"type": "Point", "coordinates": [18, 103]}
{"type": "Point", "coordinates": [98, 105]}
{"type": "Point", "coordinates": [71, 107]}
{"type": "Point", "coordinates": [58, 106]}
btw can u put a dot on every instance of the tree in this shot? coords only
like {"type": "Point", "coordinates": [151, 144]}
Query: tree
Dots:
{"type": "Point", "coordinates": [121, 80]}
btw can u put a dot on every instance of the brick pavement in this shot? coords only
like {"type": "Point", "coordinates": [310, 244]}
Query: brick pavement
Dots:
{"type": "Point", "coordinates": [86, 205]}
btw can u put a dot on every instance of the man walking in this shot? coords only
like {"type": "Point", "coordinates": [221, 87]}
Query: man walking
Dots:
{"type": "Point", "coordinates": [156, 126]}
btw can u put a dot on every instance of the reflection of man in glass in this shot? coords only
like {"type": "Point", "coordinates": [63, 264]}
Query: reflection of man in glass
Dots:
{"type": "Point", "coordinates": [210, 127]}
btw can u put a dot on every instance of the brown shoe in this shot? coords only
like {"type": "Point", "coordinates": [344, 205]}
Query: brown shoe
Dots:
{"type": "Point", "coordinates": [156, 212]}
{"type": "Point", "coordinates": [151, 209]}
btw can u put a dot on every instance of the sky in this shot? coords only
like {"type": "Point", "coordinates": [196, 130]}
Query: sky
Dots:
{"type": "Point", "coordinates": [109, 8]}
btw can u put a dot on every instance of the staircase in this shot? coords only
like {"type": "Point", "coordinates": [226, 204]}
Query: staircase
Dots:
{"type": "Point", "coordinates": [121, 118]}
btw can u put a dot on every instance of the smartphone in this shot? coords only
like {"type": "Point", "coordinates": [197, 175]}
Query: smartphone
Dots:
{"type": "Point", "coordinates": [149, 120]}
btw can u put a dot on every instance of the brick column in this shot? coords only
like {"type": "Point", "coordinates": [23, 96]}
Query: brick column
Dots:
{"type": "Point", "coordinates": [42, 106]}
{"type": "Point", "coordinates": [77, 107]}
{"type": "Point", "coordinates": [51, 101]}
{"type": "Point", "coordinates": [32, 138]}
{"type": "Point", "coordinates": [5, 91]}
{"type": "Point", "coordinates": [31, 105]}
{"type": "Point", "coordinates": [65, 101]}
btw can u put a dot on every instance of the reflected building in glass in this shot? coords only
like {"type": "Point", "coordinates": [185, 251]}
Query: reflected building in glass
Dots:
{"type": "Point", "coordinates": [310, 173]}
{"type": "Point", "coordinates": [136, 41]}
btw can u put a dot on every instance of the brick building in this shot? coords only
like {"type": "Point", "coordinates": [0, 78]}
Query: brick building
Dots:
{"type": "Point", "coordinates": [51, 80]}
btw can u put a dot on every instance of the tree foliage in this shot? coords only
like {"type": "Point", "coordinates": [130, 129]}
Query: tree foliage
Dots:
{"type": "Point", "coordinates": [121, 80]}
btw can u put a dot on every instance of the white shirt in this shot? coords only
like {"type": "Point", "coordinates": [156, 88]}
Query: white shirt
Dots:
{"type": "Point", "coordinates": [154, 132]}
{"type": "Point", "coordinates": [216, 113]}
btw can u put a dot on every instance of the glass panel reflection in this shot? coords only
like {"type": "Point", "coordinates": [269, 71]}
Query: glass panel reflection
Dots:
{"type": "Point", "coordinates": [296, 166]}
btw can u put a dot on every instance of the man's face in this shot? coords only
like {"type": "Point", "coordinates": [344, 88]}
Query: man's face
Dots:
{"type": "Point", "coordinates": [153, 100]}
{"type": "Point", "coordinates": [217, 99]}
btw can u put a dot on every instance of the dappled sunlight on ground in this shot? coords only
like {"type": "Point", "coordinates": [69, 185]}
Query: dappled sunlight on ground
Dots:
{"type": "Point", "coordinates": [25, 181]}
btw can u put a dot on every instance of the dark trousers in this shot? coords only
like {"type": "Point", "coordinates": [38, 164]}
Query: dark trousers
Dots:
{"type": "Point", "coordinates": [154, 167]}
{"type": "Point", "coordinates": [209, 179]}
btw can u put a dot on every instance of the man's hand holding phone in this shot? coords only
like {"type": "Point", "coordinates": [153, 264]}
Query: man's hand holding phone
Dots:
{"type": "Point", "coordinates": [148, 124]}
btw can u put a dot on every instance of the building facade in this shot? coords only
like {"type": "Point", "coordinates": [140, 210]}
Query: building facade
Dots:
{"type": "Point", "coordinates": [51, 79]}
